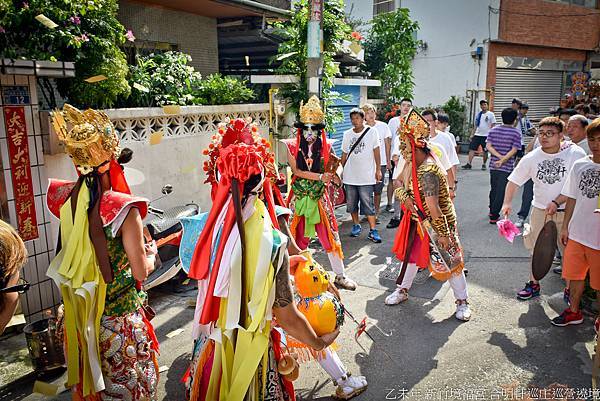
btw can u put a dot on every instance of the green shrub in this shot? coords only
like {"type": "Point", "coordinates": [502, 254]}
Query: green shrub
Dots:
{"type": "Point", "coordinates": [88, 33]}
{"type": "Point", "coordinates": [456, 110]}
{"type": "Point", "coordinates": [162, 79]}
{"type": "Point", "coordinates": [217, 89]}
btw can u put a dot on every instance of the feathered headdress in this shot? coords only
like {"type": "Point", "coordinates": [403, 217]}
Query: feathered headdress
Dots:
{"type": "Point", "coordinates": [236, 154]}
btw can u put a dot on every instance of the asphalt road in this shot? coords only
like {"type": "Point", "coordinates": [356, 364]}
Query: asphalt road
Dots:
{"type": "Point", "coordinates": [509, 346]}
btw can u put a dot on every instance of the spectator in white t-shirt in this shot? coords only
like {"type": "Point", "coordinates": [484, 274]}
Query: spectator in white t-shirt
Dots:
{"type": "Point", "coordinates": [484, 121]}
{"type": "Point", "coordinates": [548, 167]}
{"type": "Point", "coordinates": [581, 228]}
{"type": "Point", "coordinates": [385, 145]}
{"type": "Point", "coordinates": [443, 140]}
{"type": "Point", "coordinates": [447, 140]}
{"type": "Point", "coordinates": [394, 125]}
{"type": "Point", "coordinates": [361, 161]}
{"type": "Point", "coordinates": [576, 130]}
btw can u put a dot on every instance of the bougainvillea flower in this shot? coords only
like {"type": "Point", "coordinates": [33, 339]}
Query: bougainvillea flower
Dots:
{"type": "Point", "coordinates": [129, 35]}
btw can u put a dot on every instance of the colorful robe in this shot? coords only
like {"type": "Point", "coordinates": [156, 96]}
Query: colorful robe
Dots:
{"type": "Point", "coordinates": [313, 210]}
{"type": "Point", "coordinates": [110, 345]}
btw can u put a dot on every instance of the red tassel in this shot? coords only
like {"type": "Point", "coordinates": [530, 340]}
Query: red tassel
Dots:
{"type": "Point", "coordinates": [276, 341]}
{"type": "Point", "coordinates": [210, 312]}
{"type": "Point", "coordinates": [117, 178]}
{"type": "Point", "coordinates": [268, 193]}
{"type": "Point", "coordinates": [325, 147]}
{"type": "Point", "coordinates": [199, 265]}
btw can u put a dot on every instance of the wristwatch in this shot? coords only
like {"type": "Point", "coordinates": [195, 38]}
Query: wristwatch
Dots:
{"type": "Point", "coordinates": [556, 203]}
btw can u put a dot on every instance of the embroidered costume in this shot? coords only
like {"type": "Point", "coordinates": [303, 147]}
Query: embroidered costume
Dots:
{"type": "Point", "coordinates": [242, 275]}
{"type": "Point", "coordinates": [310, 198]}
{"type": "Point", "coordinates": [418, 242]}
{"type": "Point", "coordinates": [110, 346]}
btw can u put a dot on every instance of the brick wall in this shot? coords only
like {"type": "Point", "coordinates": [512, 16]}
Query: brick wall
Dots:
{"type": "Point", "coordinates": [578, 28]}
{"type": "Point", "coordinates": [195, 34]}
{"type": "Point", "coordinates": [508, 49]}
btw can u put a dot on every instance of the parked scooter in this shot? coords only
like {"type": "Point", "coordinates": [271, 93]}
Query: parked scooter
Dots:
{"type": "Point", "coordinates": [164, 227]}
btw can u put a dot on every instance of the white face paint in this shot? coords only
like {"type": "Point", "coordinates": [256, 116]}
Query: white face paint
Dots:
{"type": "Point", "coordinates": [309, 134]}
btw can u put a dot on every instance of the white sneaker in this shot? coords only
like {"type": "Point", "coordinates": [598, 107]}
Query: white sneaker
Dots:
{"type": "Point", "coordinates": [350, 387]}
{"type": "Point", "coordinates": [344, 283]}
{"type": "Point", "coordinates": [463, 312]}
{"type": "Point", "coordinates": [520, 222]}
{"type": "Point", "coordinates": [399, 295]}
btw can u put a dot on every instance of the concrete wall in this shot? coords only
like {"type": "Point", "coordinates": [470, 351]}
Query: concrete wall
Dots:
{"type": "Point", "coordinates": [566, 26]}
{"type": "Point", "coordinates": [446, 67]}
{"type": "Point", "coordinates": [195, 35]}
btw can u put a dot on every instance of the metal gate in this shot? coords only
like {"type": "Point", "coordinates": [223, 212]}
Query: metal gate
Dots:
{"type": "Point", "coordinates": [353, 92]}
{"type": "Point", "coordinates": [541, 90]}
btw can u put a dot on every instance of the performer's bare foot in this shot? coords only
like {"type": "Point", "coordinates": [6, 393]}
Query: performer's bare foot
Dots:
{"type": "Point", "coordinates": [345, 283]}
{"type": "Point", "coordinates": [399, 295]}
{"type": "Point", "coordinates": [463, 312]}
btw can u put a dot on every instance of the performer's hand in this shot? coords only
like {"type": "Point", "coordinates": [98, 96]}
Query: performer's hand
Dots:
{"type": "Point", "coordinates": [328, 339]}
{"type": "Point", "coordinates": [150, 248]}
{"type": "Point", "coordinates": [551, 209]}
{"type": "Point", "coordinates": [395, 158]}
{"type": "Point", "coordinates": [326, 178]}
{"type": "Point", "coordinates": [444, 242]}
{"type": "Point", "coordinates": [332, 289]}
{"type": "Point", "coordinates": [506, 210]}
{"type": "Point", "coordinates": [410, 205]}
{"type": "Point", "coordinates": [564, 235]}
{"type": "Point", "coordinates": [452, 193]}
{"type": "Point", "coordinates": [378, 175]}
{"type": "Point", "coordinates": [295, 260]}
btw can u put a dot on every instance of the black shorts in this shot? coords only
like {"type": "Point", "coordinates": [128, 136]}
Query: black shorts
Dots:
{"type": "Point", "coordinates": [478, 141]}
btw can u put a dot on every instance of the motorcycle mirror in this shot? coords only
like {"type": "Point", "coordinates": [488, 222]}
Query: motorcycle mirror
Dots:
{"type": "Point", "coordinates": [167, 189]}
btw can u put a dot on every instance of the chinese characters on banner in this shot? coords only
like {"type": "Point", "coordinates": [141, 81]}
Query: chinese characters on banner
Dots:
{"type": "Point", "coordinates": [18, 153]}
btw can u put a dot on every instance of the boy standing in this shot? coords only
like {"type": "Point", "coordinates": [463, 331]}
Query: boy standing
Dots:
{"type": "Point", "coordinates": [503, 142]}
{"type": "Point", "coordinates": [581, 227]}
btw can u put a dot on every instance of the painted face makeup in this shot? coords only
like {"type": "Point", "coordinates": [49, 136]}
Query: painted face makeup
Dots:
{"type": "Point", "coordinates": [309, 134]}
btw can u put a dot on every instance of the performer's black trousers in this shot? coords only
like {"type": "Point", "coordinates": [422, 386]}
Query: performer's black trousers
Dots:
{"type": "Point", "coordinates": [498, 180]}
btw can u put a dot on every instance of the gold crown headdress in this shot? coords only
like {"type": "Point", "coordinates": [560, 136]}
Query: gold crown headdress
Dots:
{"type": "Point", "coordinates": [414, 128]}
{"type": "Point", "coordinates": [311, 112]}
{"type": "Point", "coordinates": [90, 138]}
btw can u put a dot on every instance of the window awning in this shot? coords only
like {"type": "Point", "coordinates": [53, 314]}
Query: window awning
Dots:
{"type": "Point", "coordinates": [220, 8]}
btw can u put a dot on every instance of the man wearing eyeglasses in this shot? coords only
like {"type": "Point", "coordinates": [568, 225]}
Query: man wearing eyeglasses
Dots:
{"type": "Point", "coordinates": [548, 167]}
{"type": "Point", "coordinates": [12, 257]}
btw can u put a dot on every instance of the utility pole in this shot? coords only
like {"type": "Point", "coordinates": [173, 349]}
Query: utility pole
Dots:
{"type": "Point", "coordinates": [314, 64]}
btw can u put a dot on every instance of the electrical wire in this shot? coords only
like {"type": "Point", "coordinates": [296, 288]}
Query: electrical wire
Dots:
{"type": "Point", "coordinates": [557, 15]}
{"type": "Point", "coordinates": [446, 56]}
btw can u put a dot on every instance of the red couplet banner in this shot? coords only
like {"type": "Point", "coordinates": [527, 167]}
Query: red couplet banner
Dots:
{"type": "Point", "coordinates": [18, 152]}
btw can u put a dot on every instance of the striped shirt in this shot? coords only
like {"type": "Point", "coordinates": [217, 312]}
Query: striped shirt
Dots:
{"type": "Point", "coordinates": [503, 139]}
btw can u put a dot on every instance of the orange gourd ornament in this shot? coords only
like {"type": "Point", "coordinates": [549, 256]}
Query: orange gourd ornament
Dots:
{"type": "Point", "coordinates": [322, 309]}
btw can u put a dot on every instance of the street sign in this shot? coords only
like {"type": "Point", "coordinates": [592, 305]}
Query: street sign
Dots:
{"type": "Point", "coordinates": [16, 94]}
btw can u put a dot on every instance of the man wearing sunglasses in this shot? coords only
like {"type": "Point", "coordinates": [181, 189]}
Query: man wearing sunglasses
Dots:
{"type": "Point", "coordinates": [548, 167]}
{"type": "Point", "coordinates": [12, 257]}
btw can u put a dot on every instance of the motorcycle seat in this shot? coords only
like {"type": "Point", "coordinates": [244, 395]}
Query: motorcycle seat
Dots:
{"type": "Point", "coordinates": [169, 223]}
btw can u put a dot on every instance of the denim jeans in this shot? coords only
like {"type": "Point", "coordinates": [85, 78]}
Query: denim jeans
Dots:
{"type": "Point", "coordinates": [362, 194]}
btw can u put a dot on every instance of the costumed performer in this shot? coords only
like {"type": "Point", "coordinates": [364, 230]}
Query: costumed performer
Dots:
{"type": "Point", "coordinates": [347, 385]}
{"type": "Point", "coordinates": [428, 235]}
{"type": "Point", "coordinates": [242, 267]}
{"type": "Point", "coordinates": [111, 349]}
{"type": "Point", "coordinates": [311, 158]}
